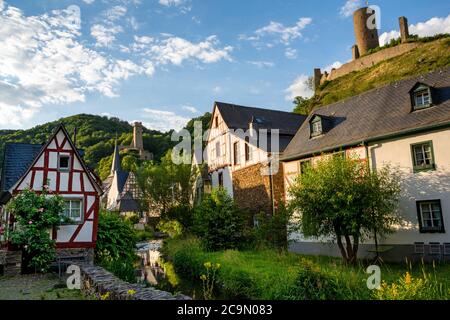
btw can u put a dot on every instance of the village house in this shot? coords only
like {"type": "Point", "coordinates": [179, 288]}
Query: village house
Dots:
{"type": "Point", "coordinates": [405, 125]}
{"type": "Point", "coordinates": [59, 165]}
{"type": "Point", "coordinates": [121, 190]}
{"type": "Point", "coordinates": [240, 163]}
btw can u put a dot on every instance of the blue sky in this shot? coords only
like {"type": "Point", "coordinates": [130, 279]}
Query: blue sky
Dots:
{"type": "Point", "coordinates": [165, 61]}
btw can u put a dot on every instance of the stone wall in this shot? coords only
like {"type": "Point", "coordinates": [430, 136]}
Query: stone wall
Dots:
{"type": "Point", "coordinates": [11, 262]}
{"type": "Point", "coordinates": [369, 60]}
{"type": "Point", "coordinates": [96, 281]}
{"type": "Point", "coordinates": [76, 252]}
{"type": "Point", "coordinates": [252, 190]}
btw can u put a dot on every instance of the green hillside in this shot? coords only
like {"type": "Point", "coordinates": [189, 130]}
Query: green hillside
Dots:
{"type": "Point", "coordinates": [432, 54]}
{"type": "Point", "coordinates": [96, 136]}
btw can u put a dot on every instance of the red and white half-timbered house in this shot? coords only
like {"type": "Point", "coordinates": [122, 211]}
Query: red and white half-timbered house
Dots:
{"type": "Point", "coordinates": [57, 166]}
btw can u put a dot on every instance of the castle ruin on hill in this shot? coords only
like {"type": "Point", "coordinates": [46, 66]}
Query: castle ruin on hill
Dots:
{"type": "Point", "coordinates": [366, 40]}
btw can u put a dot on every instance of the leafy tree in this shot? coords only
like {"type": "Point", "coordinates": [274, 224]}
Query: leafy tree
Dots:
{"type": "Point", "coordinates": [343, 199]}
{"type": "Point", "coordinates": [218, 222]}
{"type": "Point", "coordinates": [302, 105]}
{"type": "Point", "coordinates": [36, 214]}
{"type": "Point", "coordinates": [165, 185]}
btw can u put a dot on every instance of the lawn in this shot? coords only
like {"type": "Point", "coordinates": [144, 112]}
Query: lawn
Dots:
{"type": "Point", "coordinates": [271, 274]}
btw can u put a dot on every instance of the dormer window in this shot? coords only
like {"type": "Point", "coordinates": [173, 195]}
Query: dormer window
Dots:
{"type": "Point", "coordinates": [421, 97]}
{"type": "Point", "coordinates": [316, 127]}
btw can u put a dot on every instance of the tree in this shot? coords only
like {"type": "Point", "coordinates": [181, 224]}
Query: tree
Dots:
{"type": "Point", "coordinates": [218, 222]}
{"type": "Point", "coordinates": [165, 185]}
{"type": "Point", "coordinates": [36, 214]}
{"type": "Point", "coordinates": [302, 105]}
{"type": "Point", "coordinates": [342, 198]}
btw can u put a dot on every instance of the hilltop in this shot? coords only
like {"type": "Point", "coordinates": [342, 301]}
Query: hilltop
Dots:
{"type": "Point", "coordinates": [432, 54]}
{"type": "Point", "coordinates": [95, 135]}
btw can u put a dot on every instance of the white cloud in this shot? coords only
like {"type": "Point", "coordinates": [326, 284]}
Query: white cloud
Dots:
{"type": "Point", "coordinates": [334, 65]}
{"type": "Point", "coordinates": [163, 120]}
{"type": "Point", "coordinates": [217, 89]}
{"type": "Point", "coordinates": [299, 88]}
{"type": "Point", "coordinates": [105, 36]}
{"type": "Point", "coordinates": [277, 33]}
{"type": "Point", "coordinates": [428, 28]}
{"type": "Point", "coordinates": [115, 13]}
{"type": "Point", "coordinates": [88, 1]}
{"type": "Point", "coordinates": [2, 5]}
{"type": "Point", "coordinates": [190, 109]}
{"type": "Point", "coordinates": [176, 50]}
{"type": "Point", "coordinates": [290, 53]}
{"type": "Point", "coordinates": [169, 3]}
{"type": "Point", "coordinates": [262, 64]}
{"type": "Point", "coordinates": [43, 63]}
{"type": "Point", "coordinates": [133, 23]}
{"type": "Point", "coordinates": [349, 7]}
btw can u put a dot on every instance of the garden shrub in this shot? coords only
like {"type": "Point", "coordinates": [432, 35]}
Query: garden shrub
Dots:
{"type": "Point", "coordinates": [122, 268]}
{"type": "Point", "coordinates": [36, 215]}
{"type": "Point", "coordinates": [171, 227]}
{"type": "Point", "coordinates": [218, 222]}
{"type": "Point", "coordinates": [181, 213]}
{"type": "Point", "coordinates": [272, 229]}
{"type": "Point", "coordinates": [115, 238]}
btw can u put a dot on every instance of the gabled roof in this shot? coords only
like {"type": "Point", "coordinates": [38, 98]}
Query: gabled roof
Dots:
{"type": "Point", "coordinates": [375, 114]}
{"type": "Point", "coordinates": [239, 117]}
{"type": "Point", "coordinates": [12, 176]}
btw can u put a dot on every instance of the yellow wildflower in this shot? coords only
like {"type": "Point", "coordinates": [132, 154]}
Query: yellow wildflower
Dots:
{"type": "Point", "coordinates": [407, 278]}
{"type": "Point", "coordinates": [203, 277]}
{"type": "Point", "coordinates": [131, 292]}
{"type": "Point", "coordinates": [207, 265]}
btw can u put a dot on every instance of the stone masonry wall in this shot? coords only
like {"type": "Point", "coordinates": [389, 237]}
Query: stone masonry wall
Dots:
{"type": "Point", "coordinates": [252, 190]}
{"type": "Point", "coordinates": [11, 262]}
{"type": "Point", "coordinates": [369, 60]}
{"type": "Point", "coordinates": [96, 281]}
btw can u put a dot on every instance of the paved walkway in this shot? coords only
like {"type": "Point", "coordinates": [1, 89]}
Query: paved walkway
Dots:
{"type": "Point", "coordinates": [36, 287]}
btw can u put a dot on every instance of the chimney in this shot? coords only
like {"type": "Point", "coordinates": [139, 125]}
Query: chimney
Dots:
{"type": "Point", "coordinates": [137, 136]}
{"type": "Point", "coordinates": [404, 31]}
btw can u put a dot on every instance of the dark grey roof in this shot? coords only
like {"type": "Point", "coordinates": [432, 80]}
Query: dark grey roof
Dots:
{"type": "Point", "coordinates": [376, 113]}
{"type": "Point", "coordinates": [115, 166]}
{"type": "Point", "coordinates": [128, 204]}
{"type": "Point", "coordinates": [122, 177]}
{"type": "Point", "coordinates": [17, 159]}
{"type": "Point", "coordinates": [239, 117]}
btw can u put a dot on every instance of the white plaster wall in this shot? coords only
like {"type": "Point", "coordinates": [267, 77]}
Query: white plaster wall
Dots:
{"type": "Point", "coordinates": [430, 185]}
{"type": "Point", "coordinates": [227, 179]}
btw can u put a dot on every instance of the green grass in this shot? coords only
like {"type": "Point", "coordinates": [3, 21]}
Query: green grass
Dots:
{"type": "Point", "coordinates": [270, 274]}
{"type": "Point", "coordinates": [429, 56]}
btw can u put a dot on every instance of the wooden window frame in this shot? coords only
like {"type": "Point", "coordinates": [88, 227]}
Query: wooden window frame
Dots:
{"type": "Point", "coordinates": [428, 167]}
{"type": "Point", "coordinates": [220, 178]}
{"type": "Point", "coordinates": [423, 229]}
{"type": "Point", "coordinates": [75, 222]}
{"type": "Point", "coordinates": [248, 152]}
{"type": "Point", "coordinates": [420, 90]}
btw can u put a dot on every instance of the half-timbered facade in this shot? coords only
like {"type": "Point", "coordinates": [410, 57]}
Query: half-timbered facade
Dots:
{"type": "Point", "coordinates": [58, 167]}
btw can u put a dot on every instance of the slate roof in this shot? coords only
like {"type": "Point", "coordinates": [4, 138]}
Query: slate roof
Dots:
{"type": "Point", "coordinates": [376, 113]}
{"type": "Point", "coordinates": [128, 204]}
{"type": "Point", "coordinates": [239, 117]}
{"type": "Point", "coordinates": [122, 177]}
{"type": "Point", "coordinates": [17, 159]}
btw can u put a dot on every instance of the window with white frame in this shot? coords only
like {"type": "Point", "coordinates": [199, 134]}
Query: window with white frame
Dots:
{"type": "Point", "coordinates": [316, 127]}
{"type": "Point", "coordinates": [430, 216]}
{"type": "Point", "coordinates": [74, 210]}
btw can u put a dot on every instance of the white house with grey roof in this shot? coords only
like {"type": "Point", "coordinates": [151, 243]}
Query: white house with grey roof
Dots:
{"type": "Point", "coordinates": [240, 147]}
{"type": "Point", "coordinates": [405, 124]}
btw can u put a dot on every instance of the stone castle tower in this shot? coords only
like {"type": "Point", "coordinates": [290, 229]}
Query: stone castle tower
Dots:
{"type": "Point", "coordinates": [137, 136]}
{"type": "Point", "coordinates": [366, 35]}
